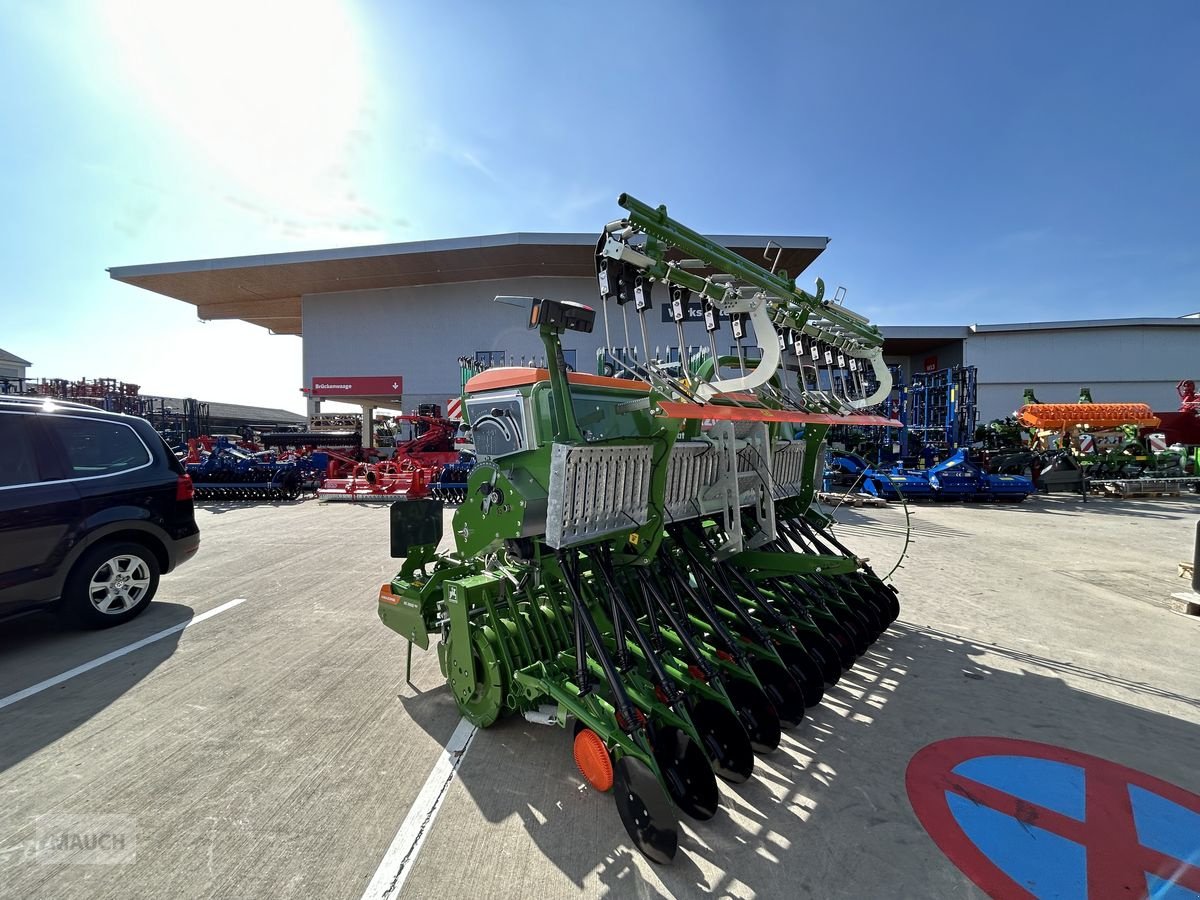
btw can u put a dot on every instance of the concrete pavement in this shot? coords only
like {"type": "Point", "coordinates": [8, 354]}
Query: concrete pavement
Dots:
{"type": "Point", "coordinates": [274, 749]}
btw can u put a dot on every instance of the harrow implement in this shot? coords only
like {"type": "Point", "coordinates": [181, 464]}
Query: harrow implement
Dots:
{"type": "Point", "coordinates": [652, 571]}
{"type": "Point", "coordinates": [411, 473]}
{"type": "Point", "coordinates": [227, 472]}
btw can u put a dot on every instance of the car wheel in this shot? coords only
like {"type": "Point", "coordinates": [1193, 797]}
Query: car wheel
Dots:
{"type": "Point", "coordinates": [110, 584]}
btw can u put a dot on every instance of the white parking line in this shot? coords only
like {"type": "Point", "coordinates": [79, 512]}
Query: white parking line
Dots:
{"type": "Point", "coordinates": [398, 861]}
{"type": "Point", "coordinates": [109, 657]}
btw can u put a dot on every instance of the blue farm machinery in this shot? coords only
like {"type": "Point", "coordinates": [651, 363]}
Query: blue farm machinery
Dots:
{"type": "Point", "coordinates": [956, 478]}
{"type": "Point", "coordinates": [638, 559]}
{"type": "Point", "coordinates": [221, 470]}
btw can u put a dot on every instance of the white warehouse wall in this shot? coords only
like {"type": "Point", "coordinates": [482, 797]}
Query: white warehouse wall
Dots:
{"type": "Point", "coordinates": [420, 332]}
{"type": "Point", "coordinates": [1122, 364]}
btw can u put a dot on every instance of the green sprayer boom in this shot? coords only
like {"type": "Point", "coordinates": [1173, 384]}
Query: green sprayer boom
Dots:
{"type": "Point", "coordinates": [638, 556]}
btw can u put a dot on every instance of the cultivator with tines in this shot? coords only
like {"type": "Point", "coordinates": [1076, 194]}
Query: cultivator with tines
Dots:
{"type": "Point", "coordinates": [227, 472]}
{"type": "Point", "coordinates": [639, 556]}
{"type": "Point", "coordinates": [451, 484]}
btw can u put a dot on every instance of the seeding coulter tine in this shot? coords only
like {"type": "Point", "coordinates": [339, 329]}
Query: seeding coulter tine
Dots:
{"type": "Point", "coordinates": [660, 581]}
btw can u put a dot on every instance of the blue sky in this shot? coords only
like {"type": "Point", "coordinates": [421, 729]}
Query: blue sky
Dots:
{"type": "Point", "coordinates": [972, 162]}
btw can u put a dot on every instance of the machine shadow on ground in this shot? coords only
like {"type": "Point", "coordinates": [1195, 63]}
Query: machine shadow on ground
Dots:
{"type": "Point", "coordinates": [37, 647]}
{"type": "Point", "coordinates": [218, 507]}
{"type": "Point", "coordinates": [841, 772]}
{"type": "Point", "coordinates": [1185, 506]}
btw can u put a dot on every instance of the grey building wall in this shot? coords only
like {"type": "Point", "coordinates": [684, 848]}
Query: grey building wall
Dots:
{"type": "Point", "coordinates": [421, 332]}
{"type": "Point", "coordinates": [1124, 364]}
{"type": "Point", "coordinates": [948, 355]}
{"type": "Point", "coordinates": [7, 370]}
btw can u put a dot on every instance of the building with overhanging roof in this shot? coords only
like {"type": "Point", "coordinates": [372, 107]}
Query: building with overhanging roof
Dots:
{"type": "Point", "coordinates": [385, 325]}
{"type": "Point", "coordinates": [12, 367]}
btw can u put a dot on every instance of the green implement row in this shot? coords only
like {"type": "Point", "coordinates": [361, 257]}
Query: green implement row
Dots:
{"type": "Point", "coordinates": [639, 557]}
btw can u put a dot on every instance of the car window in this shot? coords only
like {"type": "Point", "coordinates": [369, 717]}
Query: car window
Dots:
{"type": "Point", "coordinates": [173, 462]}
{"type": "Point", "coordinates": [96, 447]}
{"type": "Point", "coordinates": [18, 465]}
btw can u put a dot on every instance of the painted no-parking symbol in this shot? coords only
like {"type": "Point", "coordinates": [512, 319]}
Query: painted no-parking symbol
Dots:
{"type": "Point", "coordinates": [1023, 819]}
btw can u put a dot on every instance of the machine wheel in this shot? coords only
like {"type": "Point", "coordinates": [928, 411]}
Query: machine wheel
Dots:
{"type": "Point", "coordinates": [110, 584]}
{"type": "Point", "coordinates": [479, 694]}
{"type": "Point", "coordinates": [593, 759]}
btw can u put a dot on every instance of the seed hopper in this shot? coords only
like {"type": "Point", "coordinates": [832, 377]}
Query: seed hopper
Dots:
{"type": "Point", "coordinates": [637, 558]}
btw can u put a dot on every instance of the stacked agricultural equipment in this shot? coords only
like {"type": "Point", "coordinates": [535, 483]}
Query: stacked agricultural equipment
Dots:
{"type": "Point", "coordinates": [1107, 447]}
{"type": "Point", "coordinates": [640, 557]}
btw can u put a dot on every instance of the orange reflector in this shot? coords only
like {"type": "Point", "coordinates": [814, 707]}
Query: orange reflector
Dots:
{"type": "Point", "coordinates": [1059, 416]}
{"type": "Point", "coordinates": [715, 411]}
{"type": "Point", "coordinates": [386, 595]}
{"type": "Point", "coordinates": [593, 760]}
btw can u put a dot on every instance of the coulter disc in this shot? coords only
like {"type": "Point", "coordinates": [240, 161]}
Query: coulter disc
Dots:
{"type": "Point", "coordinates": [645, 810]}
{"type": "Point", "coordinates": [889, 603]}
{"type": "Point", "coordinates": [724, 740]}
{"type": "Point", "coordinates": [687, 776]}
{"type": "Point", "coordinates": [805, 670]}
{"type": "Point", "coordinates": [825, 654]}
{"type": "Point", "coordinates": [840, 639]}
{"type": "Point", "coordinates": [781, 689]}
{"type": "Point", "coordinates": [755, 712]}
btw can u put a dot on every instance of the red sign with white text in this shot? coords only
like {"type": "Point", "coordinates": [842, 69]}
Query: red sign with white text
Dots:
{"type": "Point", "coordinates": [356, 386]}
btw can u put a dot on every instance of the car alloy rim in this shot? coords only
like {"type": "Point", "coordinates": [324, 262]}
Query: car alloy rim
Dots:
{"type": "Point", "coordinates": [119, 584]}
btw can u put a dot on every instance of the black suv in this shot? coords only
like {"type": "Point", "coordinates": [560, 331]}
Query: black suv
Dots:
{"type": "Point", "coordinates": [93, 508]}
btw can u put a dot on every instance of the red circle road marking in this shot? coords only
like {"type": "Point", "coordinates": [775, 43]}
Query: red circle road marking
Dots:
{"type": "Point", "coordinates": [1116, 860]}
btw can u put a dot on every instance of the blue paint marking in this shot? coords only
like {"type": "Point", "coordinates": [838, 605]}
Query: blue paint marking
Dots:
{"type": "Point", "coordinates": [1045, 864]}
{"type": "Point", "coordinates": [1161, 889]}
{"type": "Point", "coordinates": [1054, 785]}
{"type": "Point", "coordinates": [1165, 826]}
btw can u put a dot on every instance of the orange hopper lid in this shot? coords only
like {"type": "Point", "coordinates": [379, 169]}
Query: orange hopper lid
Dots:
{"type": "Point", "coordinates": [1060, 416]}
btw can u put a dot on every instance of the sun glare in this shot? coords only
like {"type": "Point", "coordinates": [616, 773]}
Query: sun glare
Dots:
{"type": "Point", "coordinates": [271, 94]}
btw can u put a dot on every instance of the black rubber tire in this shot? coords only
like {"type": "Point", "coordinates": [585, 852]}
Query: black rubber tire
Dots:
{"type": "Point", "coordinates": [77, 605]}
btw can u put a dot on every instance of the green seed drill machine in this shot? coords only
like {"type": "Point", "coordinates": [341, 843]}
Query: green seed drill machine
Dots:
{"type": "Point", "coordinates": [638, 555]}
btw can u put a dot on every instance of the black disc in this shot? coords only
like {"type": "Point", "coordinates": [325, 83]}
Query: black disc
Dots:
{"type": "Point", "coordinates": [856, 628]}
{"type": "Point", "coordinates": [723, 740]}
{"type": "Point", "coordinates": [867, 608]}
{"type": "Point", "coordinates": [888, 601]}
{"type": "Point", "coordinates": [755, 712]}
{"type": "Point", "coordinates": [806, 672]}
{"type": "Point", "coordinates": [840, 640]}
{"type": "Point", "coordinates": [645, 810]}
{"type": "Point", "coordinates": [884, 601]}
{"type": "Point", "coordinates": [825, 654]}
{"type": "Point", "coordinates": [781, 689]}
{"type": "Point", "coordinates": [688, 777]}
